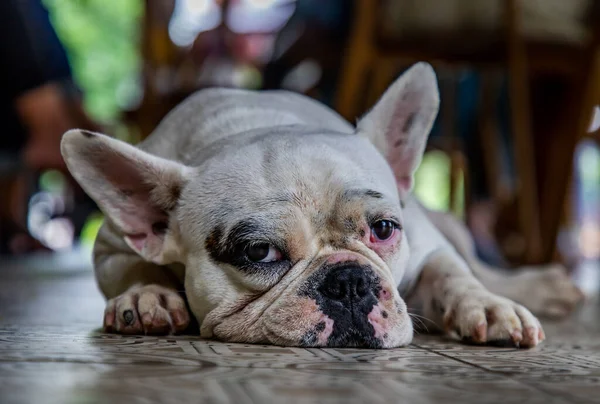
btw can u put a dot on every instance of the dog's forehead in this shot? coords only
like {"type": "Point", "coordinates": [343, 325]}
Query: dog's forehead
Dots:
{"type": "Point", "coordinates": [313, 165]}
{"type": "Point", "coordinates": [277, 174]}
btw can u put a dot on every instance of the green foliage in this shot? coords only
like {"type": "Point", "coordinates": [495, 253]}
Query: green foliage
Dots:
{"type": "Point", "coordinates": [52, 181]}
{"type": "Point", "coordinates": [432, 183]}
{"type": "Point", "coordinates": [101, 38]}
{"type": "Point", "coordinates": [90, 229]}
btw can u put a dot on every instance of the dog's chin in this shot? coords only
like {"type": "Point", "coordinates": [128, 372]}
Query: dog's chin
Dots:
{"type": "Point", "coordinates": [318, 335]}
{"type": "Point", "coordinates": [298, 320]}
{"type": "Point", "coordinates": [301, 323]}
{"type": "Point", "coordinates": [351, 338]}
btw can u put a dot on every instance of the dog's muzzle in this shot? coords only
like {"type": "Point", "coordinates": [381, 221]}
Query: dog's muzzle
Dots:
{"type": "Point", "coordinates": [346, 293]}
{"type": "Point", "coordinates": [347, 288]}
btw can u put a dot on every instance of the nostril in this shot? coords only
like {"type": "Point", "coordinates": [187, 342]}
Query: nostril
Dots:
{"type": "Point", "coordinates": [334, 290]}
{"type": "Point", "coordinates": [360, 287]}
{"type": "Point", "coordinates": [346, 283]}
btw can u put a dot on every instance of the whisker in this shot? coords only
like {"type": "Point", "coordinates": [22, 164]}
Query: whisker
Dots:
{"type": "Point", "coordinates": [422, 318]}
{"type": "Point", "coordinates": [419, 323]}
{"type": "Point", "coordinates": [418, 319]}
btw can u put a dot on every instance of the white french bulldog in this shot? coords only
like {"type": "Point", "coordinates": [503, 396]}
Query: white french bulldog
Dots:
{"type": "Point", "coordinates": [273, 220]}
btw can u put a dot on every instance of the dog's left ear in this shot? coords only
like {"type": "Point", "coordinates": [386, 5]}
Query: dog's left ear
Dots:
{"type": "Point", "coordinates": [137, 191]}
{"type": "Point", "coordinates": [399, 124]}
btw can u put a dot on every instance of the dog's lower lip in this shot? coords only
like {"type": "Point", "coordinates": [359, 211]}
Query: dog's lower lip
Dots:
{"type": "Point", "coordinates": [356, 342]}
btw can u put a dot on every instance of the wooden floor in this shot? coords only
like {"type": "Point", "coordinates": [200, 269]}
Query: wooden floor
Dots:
{"type": "Point", "coordinates": [51, 351]}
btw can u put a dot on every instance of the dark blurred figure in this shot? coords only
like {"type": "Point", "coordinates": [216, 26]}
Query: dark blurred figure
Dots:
{"type": "Point", "coordinates": [318, 30]}
{"type": "Point", "coordinates": [38, 103]}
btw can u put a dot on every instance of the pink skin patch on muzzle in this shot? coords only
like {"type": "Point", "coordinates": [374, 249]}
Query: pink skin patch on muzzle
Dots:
{"type": "Point", "coordinates": [378, 319]}
{"type": "Point", "coordinates": [324, 335]}
{"type": "Point", "coordinates": [385, 294]}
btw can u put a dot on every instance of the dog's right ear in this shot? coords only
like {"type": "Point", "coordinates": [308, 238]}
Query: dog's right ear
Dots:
{"type": "Point", "coordinates": [399, 124]}
{"type": "Point", "coordinates": [137, 191]}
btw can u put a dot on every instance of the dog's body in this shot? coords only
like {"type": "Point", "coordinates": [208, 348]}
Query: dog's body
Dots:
{"type": "Point", "coordinates": [283, 224]}
{"type": "Point", "coordinates": [216, 118]}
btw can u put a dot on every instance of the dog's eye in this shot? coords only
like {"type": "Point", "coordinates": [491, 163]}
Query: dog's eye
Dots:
{"type": "Point", "coordinates": [263, 252]}
{"type": "Point", "coordinates": [382, 230]}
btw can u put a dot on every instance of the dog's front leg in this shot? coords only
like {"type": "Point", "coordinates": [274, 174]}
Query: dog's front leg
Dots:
{"type": "Point", "coordinates": [461, 306]}
{"type": "Point", "coordinates": [142, 297]}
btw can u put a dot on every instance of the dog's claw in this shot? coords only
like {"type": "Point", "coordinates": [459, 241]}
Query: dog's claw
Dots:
{"type": "Point", "coordinates": [128, 317]}
{"type": "Point", "coordinates": [150, 309]}
{"type": "Point", "coordinates": [482, 317]}
{"type": "Point", "coordinates": [480, 333]}
{"type": "Point", "coordinates": [516, 337]}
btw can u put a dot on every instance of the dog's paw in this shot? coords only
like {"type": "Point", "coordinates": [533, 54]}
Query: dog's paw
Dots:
{"type": "Point", "coordinates": [150, 309]}
{"type": "Point", "coordinates": [481, 317]}
{"type": "Point", "coordinates": [547, 291]}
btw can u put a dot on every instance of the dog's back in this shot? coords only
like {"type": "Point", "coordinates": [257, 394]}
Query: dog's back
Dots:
{"type": "Point", "coordinates": [212, 115]}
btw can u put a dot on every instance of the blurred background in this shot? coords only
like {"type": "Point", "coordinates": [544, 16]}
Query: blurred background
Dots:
{"type": "Point", "coordinates": [514, 150]}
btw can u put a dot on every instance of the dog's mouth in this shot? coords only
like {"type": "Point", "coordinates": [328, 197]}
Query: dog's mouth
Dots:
{"type": "Point", "coordinates": [300, 321]}
{"type": "Point", "coordinates": [352, 334]}
{"type": "Point", "coordinates": [351, 317]}
{"type": "Point", "coordinates": [346, 294]}
{"type": "Point", "coordinates": [304, 324]}
{"type": "Point", "coordinates": [340, 305]}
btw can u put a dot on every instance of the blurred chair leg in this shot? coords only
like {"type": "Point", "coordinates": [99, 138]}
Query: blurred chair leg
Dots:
{"type": "Point", "coordinates": [578, 114]}
{"type": "Point", "coordinates": [528, 202]}
{"type": "Point", "coordinates": [488, 134]}
{"type": "Point", "coordinates": [357, 59]}
{"type": "Point", "coordinates": [458, 170]}
{"type": "Point", "coordinates": [381, 75]}
{"type": "Point", "coordinates": [448, 93]}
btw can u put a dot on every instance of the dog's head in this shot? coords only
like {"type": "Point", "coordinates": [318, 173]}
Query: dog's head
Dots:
{"type": "Point", "coordinates": [289, 238]}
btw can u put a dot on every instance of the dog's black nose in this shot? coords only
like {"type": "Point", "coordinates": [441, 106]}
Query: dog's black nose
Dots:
{"type": "Point", "coordinates": [347, 285]}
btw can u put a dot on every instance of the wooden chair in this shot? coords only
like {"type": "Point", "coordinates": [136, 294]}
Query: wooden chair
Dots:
{"type": "Point", "coordinates": [372, 59]}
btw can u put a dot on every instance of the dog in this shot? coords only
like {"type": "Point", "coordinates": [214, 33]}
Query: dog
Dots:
{"type": "Point", "coordinates": [270, 219]}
